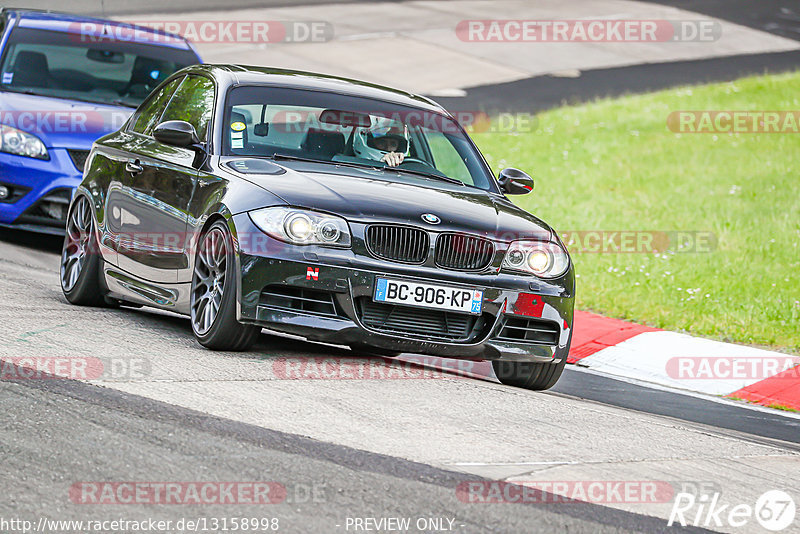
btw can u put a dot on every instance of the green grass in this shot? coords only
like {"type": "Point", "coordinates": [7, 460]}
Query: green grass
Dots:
{"type": "Point", "coordinates": [614, 165]}
{"type": "Point", "coordinates": [782, 408]}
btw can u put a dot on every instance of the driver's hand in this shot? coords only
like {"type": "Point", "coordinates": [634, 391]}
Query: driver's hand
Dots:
{"type": "Point", "coordinates": [393, 159]}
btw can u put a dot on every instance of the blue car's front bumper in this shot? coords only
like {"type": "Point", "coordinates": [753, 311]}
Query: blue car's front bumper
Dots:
{"type": "Point", "coordinates": [40, 190]}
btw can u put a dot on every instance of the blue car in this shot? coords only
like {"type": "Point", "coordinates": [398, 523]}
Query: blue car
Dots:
{"type": "Point", "coordinates": [65, 81]}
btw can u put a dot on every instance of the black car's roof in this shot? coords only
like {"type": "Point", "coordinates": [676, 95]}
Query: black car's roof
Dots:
{"type": "Point", "coordinates": [249, 75]}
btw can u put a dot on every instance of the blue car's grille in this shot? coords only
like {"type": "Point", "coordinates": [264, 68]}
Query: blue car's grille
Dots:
{"type": "Point", "coordinates": [78, 158]}
{"type": "Point", "coordinates": [50, 210]}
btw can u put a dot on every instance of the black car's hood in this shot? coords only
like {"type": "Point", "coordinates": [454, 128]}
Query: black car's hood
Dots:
{"type": "Point", "coordinates": [369, 196]}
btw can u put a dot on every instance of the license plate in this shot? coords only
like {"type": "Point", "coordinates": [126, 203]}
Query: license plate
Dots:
{"type": "Point", "coordinates": [429, 296]}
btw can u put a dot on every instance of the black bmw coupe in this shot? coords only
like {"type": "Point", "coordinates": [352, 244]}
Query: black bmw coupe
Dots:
{"type": "Point", "coordinates": [337, 210]}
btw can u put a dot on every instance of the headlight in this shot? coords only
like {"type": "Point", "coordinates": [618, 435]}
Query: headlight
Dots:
{"type": "Point", "coordinates": [14, 141]}
{"type": "Point", "coordinates": [545, 260]}
{"type": "Point", "coordinates": [302, 227]}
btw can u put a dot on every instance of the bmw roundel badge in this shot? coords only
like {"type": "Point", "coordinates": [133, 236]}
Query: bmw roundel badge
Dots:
{"type": "Point", "coordinates": [430, 218]}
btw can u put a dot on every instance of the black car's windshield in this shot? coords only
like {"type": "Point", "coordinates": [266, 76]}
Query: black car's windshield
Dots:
{"type": "Point", "coordinates": [62, 65]}
{"type": "Point", "coordinates": [343, 129]}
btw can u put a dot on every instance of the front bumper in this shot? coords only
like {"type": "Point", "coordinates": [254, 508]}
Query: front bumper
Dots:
{"type": "Point", "coordinates": [41, 191]}
{"type": "Point", "coordinates": [349, 279]}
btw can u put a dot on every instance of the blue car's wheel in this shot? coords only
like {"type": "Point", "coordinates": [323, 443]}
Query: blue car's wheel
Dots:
{"type": "Point", "coordinates": [213, 296]}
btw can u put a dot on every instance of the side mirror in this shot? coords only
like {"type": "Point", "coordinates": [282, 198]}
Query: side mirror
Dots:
{"type": "Point", "coordinates": [176, 133]}
{"type": "Point", "coordinates": [515, 182]}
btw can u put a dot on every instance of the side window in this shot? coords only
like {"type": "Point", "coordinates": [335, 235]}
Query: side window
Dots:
{"type": "Point", "coordinates": [150, 112]}
{"type": "Point", "coordinates": [446, 158]}
{"type": "Point", "coordinates": [193, 102]}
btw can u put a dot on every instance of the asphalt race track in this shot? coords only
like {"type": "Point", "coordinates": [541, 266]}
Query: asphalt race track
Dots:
{"type": "Point", "coordinates": [341, 448]}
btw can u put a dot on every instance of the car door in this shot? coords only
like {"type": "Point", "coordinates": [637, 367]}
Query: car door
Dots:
{"type": "Point", "coordinates": [161, 180]}
{"type": "Point", "coordinates": [121, 151]}
{"type": "Point", "coordinates": [108, 167]}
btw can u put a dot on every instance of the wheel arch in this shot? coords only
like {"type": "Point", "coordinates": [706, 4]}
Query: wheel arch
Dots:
{"type": "Point", "coordinates": [222, 213]}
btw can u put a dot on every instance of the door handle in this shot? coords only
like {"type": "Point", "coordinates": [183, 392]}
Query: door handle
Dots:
{"type": "Point", "coordinates": [134, 167]}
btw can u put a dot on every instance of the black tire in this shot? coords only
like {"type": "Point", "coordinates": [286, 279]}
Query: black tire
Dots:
{"type": "Point", "coordinates": [529, 375]}
{"type": "Point", "coordinates": [374, 351]}
{"type": "Point", "coordinates": [222, 331]}
{"type": "Point", "coordinates": [80, 258]}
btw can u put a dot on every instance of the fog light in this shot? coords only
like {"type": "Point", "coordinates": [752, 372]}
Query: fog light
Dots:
{"type": "Point", "coordinates": [4, 192]}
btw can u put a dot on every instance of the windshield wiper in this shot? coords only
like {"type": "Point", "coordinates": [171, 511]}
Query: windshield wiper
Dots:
{"type": "Point", "coordinates": [371, 167]}
{"type": "Point", "coordinates": [278, 156]}
{"type": "Point", "coordinates": [20, 91]}
{"type": "Point", "coordinates": [424, 174]}
{"type": "Point", "coordinates": [77, 99]}
{"type": "Point", "coordinates": [123, 103]}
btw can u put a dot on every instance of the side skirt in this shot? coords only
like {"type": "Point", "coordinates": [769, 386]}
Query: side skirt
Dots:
{"type": "Point", "coordinates": [130, 288]}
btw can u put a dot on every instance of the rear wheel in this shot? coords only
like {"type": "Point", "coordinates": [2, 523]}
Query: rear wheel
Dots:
{"type": "Point", "coordinates": [80, 259]}
{"type": "Point", "coordinates": [213, 296]}
{"type": "Point", "coordinates": [529, 375]}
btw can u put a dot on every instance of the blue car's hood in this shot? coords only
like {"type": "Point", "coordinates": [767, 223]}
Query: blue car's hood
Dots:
{"type": "Point", "coordinates": [61, 123]}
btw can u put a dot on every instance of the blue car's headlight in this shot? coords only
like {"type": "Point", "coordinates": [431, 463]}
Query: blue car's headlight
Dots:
{"type": "Point", "coordinates": [303, 227]}
{"type": "Point", "coordinates": [14, 141]}
{"type": "Point", "coordinates": [540, 258]}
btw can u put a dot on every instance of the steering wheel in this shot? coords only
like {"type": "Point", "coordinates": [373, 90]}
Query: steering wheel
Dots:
{"type": "Point", "coordinates": [417, 161]}
{"type": "Point", "coordinates": [414, 164]}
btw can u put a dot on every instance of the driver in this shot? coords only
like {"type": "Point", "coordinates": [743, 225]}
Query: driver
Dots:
{"type": "Point", "coordinates": [386, 142]}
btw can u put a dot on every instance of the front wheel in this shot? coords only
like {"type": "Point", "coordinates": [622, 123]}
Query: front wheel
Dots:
{"type": "Point", "coordinates": [213, 296]}
{"type": "Point", "coordinates": [529, 375]}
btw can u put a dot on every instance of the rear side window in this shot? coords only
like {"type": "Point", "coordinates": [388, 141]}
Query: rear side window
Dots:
{"type": "Point", "coordinates": [149, 114]}
{"type": "Point", "coordinates": [193, 102]}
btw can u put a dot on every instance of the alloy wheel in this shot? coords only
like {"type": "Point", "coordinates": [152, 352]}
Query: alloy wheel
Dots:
{"type": "Point", "coordinates": [77, 244]}
{"type": "Point", "coordinates": [208, 282]}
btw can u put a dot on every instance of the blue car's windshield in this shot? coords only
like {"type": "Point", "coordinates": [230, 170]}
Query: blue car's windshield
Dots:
{"type": "Point", "coordinates": [58, 64]}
